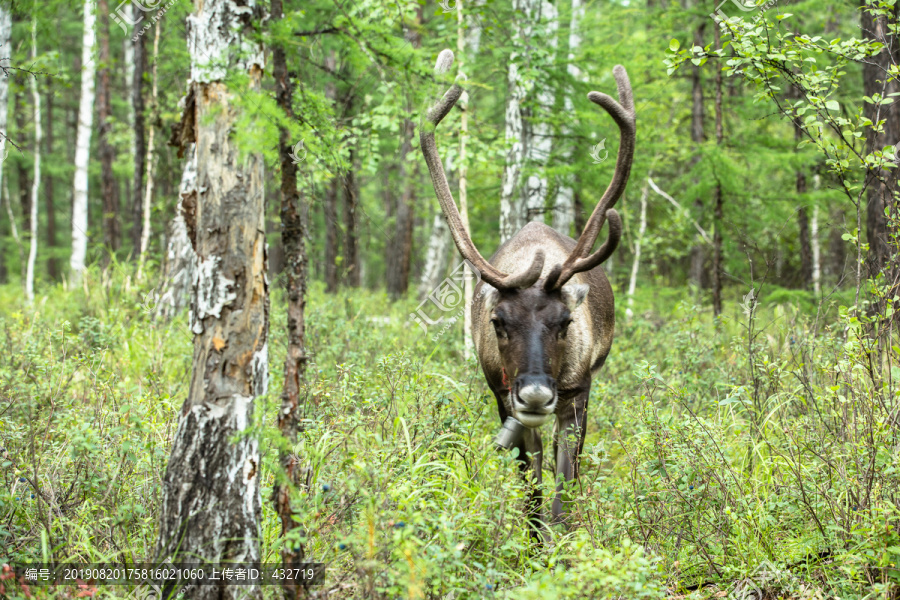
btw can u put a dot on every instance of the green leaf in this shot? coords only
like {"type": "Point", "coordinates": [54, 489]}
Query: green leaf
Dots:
{"type": "Point", "coordinates": [674, 45]}
{"type": "Point", "coordinates": [832, 105]}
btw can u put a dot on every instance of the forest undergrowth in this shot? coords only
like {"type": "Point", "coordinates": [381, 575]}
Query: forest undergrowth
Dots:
{"type": "Point", "coordinates": [757, 451]}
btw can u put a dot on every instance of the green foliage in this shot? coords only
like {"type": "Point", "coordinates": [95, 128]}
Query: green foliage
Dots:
{"type": "Point", "coordinates": [713, 448]}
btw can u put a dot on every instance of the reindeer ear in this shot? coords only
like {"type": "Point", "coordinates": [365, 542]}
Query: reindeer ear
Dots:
{"type": "Point", "coordinates": [491, 297]}
{"type": "Point", "coordinates": [573, 294]}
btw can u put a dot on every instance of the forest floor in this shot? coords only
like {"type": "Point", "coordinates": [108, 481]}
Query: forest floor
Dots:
{"type": "Point", "coordinates": [753, 454]}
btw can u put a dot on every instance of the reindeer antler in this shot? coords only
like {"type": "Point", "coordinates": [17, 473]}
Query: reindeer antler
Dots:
{"type": "Point", "coordinates": [433, 117]}
{"type": "Point", "coordinates": [622, 113]}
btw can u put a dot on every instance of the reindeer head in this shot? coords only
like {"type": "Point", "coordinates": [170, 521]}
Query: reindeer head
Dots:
{"type": "Point", "coordinates": [532, 314]}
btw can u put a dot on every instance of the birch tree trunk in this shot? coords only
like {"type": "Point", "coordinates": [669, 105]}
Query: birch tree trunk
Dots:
{"type": "Point", "coordinates": [293, 233]}
{"type": "Point", "coordinates": [36, 180]}
{"type": "Point", "coordinates": [512, 209]}
{"type": "Point", "coordinates": [5, 33]}
{"type": "Point", "coordinates": [439, 250]}
{"type": "Point", "coordinates": [564, 209]}
{"type": "Point", "coordinates": [816, 249]}
{"type": "Point", "coordinates": [636, 264]}
{"type": "Point", "coordinates": [540, 141]}
{"type": "Point", "coordinates": [109, 187]}
{"type": "Point", "coordinates": [151, 156]}
{"type": "Point", "coordinates": [83, 146]}
{"type": "Point", "coordinates": [211, 489]}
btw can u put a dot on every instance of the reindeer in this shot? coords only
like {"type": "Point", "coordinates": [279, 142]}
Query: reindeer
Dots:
{"type": "Point", "coordinates": [541, 333]}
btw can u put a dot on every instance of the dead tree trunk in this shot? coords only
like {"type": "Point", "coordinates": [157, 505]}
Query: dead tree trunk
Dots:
{"type": "Point", "coordinates": [211, 490]}
{"type": "Point", "coordinates": [109, 189]}
{"type": "Point", "coordinates": [293, 232]}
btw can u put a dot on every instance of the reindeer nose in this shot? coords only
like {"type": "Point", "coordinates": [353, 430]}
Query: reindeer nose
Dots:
{"type": "Point", "coordinates": [535, 392]}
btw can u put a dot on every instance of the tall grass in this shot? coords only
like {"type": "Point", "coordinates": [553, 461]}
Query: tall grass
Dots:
{"type": "Point", "coordinates": [767, 438]}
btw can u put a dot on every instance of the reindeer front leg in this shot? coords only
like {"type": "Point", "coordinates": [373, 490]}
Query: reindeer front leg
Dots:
{"type": "Point", "coordinates": [568, 441]}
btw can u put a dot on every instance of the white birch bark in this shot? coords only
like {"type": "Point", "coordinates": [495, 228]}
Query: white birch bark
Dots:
{"type": "Point", "coordinates": [512, 209]}
{"type": "Point", "coordinates": [636, 265]}
{"type": "Point", "coordinates": [151, 156]}
{"type": "Point", "coordinates": [211, 503]}
{"type": "Point", "coordinates": [181, 260]}
{"type": "Point", "coordinates": [539, 139]}
{"type": "Point", "coordinates": [468, 288]}
{"type": "Point", "coordinates": [36, 183]}
{"type": "Point", "coordinates": [82, 146]}
{"type": "Point", "coordinates": [436, 257]}
{"type": "Point", "coordinates": [128, 51]}
{"type": "Point", "coordinates": [564, 208]}
{"type": "Point", "coordinates": [5, 53]}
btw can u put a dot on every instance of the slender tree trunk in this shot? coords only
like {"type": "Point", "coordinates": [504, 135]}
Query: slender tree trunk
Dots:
{"type": "Point", "coordinates": [564, 211]}
{"type": "Point", "coordinates": [436, 256]}
{"type": "Point", "coordinates": [293, 232]}
{"type": "Point", "coordinates": [719, 200]}
{"type": "Point", "coordinates": [36, 179]}
{"type": "Point", "coordinates": [22, 174]}
{"type": "Point", "coordinates": [698, 251]}
{"type": "Point", "coordinates": [211, 490]}
{"type": "Point", "coordinates": [331, 235]}
{"type": "Point", "coordinates": [138, 154]}
{"type": "Point", "coordinates": [639, 241]}
{"type": "Point", "coordinates": [109, 188]}
{"type": "Point", "coordinates": [806, 258]}
{"type": "Point", "coordinates": [5, 33]}
{"type": "Point", "coordinates": [882, 191]}
{"type": "Point", "coordinates": [330, 208]}
{"type": "Point", "coordinates": [147, 201]}
{"type": "Point", "coordinates": [816, 252]}
{"type": "Point", "coordinates": [468, 287]}
{"type": "Point", "coordinates": [351, 226]}
{"type": "Point", "coordinates": [52, 262]}
{"type": "Point", "coordinates": [512, 209]}
{"type": "Point", "coordinates": [400, 257]}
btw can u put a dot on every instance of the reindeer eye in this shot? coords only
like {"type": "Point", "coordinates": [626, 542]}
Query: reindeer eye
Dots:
{"type": "Point", "coordinates": [498, 328]}
{"type": "Point", "coordinates": [564, 327]}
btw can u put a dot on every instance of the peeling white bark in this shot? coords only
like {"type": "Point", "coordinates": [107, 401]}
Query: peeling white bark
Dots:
{"type": "Point", "coordinates": [564, 209]}
{"type": "Point", "coordinates": [36, 183]}
{"type": "Point", "coordinates": [211, 501]}
{"type": "Point", "coordinates": [181, 261]}
{"type": "Point", "coordinates": [83, 145]}
{"type": "Point", "coordinates": [436, 256]}
{"type": "Point", "coordinates": [213, 292]}
{"type": "Point", "coordinates": [218, 38]}
{"type": "Point", "coordinates": [512, 210]}
{"type": "Point", "coordinates": [540, 141]}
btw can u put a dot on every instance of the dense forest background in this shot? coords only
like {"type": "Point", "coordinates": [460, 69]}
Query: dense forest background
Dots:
{"type": "Point", "coordinates": [742, 436]}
